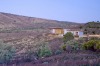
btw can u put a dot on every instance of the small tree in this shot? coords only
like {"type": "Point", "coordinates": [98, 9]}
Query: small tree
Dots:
{"type": "Point", "coordinates": [68, 36]}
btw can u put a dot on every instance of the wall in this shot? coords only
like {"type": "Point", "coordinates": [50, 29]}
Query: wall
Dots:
{"type": "Point", "coordinates": [57, 31]}
{"type": "Point", "coordinates": [80, 34]}
{"type": "Point", "coordinates": [61, 32]}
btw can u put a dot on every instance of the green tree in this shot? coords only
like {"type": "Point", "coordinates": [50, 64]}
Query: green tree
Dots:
{"type": "Point", "coordinates": [68, 36]}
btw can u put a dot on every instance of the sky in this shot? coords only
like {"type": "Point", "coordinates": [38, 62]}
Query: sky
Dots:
{"type": "Point", "coordinates": [80, 11]}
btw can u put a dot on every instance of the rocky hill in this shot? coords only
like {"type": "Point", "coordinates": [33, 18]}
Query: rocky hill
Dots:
{"type": "Point", "coordinates": [8, 21]}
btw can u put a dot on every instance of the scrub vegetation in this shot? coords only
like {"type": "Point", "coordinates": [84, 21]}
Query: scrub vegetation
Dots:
{"type": "Point", "coordinates": [24, 41]}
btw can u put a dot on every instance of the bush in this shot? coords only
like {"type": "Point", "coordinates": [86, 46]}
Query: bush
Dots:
{"type": "Point", "coordinates": [63, 47]}
{"type": "Point", "coordinates": [44, 51]}
{"type": "Point", "coordinates": [29, 56]}
{"type": "Point", "coordinates": [93, 45]}
{"type": "Point", "coordinates": [6, 52]}
{"type": "Point", "coordinates": [68, 36]}
{"type": "Point", "coordinates": [98, 46]}
{"type": "Point", "coordinates": [73, 45]}
{"type": "Point", "coordinates": [58, 52]}
{"type": "Point", "coordinates": [82, 40]}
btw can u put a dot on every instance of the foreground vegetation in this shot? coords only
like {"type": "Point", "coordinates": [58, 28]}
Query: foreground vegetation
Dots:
{"type": "Point", "coordinates": [31, 48]}
{"type": "Point", "coordinates": [6, 52]}
{"type": "Point", "coordinates": [66, 51]}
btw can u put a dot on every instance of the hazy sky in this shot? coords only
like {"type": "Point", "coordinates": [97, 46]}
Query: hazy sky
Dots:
{"type": "Point", "coordinates": [63, 10]}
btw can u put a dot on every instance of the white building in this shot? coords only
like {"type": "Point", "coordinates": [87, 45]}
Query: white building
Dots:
{"type": "Point", "coordinates": [61, 31]}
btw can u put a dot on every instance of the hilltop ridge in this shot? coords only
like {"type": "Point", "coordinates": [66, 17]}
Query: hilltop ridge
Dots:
{"type": "Point", "coordinates": [8, 20]}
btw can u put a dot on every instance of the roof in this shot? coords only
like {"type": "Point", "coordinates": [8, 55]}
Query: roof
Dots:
{"type": "Point", "coordinates": [69, 29]}
{"type": "Point", "coordinates": [55, 28]}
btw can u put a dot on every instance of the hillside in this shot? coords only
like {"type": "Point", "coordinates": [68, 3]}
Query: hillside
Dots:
{"type": "Point", "coordinates": [92, 27]}
{"type": "Point", "coordinates": [8, 21]}
{"type": "Point", "coordinates": [24, 41]}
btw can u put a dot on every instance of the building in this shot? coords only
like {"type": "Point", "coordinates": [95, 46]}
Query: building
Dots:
{"type": "Point", "coordinates": [56, 31]}
{"type": "Point", "coordinates": [61, 31]}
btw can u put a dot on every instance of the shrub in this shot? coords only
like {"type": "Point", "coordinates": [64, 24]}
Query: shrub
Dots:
{"type": "Point", "coordinates": [68, 36]}
{"type": "Point", "coordinates": [29, 56]}
{"type": "Point", "coordinates": [6, 52]}
{"type": "Point", "coordinates": [98, 46]}
{"type": "Point", "coordinates": [44, 51]}
{"type": "Point", "coordinates": [81, 40]}
{"type": "Point", "coordinates": [73, 45]}
{"type": "Point", "coordinates": [58, 52]}
{"type": "Point", "coordinates": [93, 45]}
{"type": "Point", "coordinates": [63, 47]}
